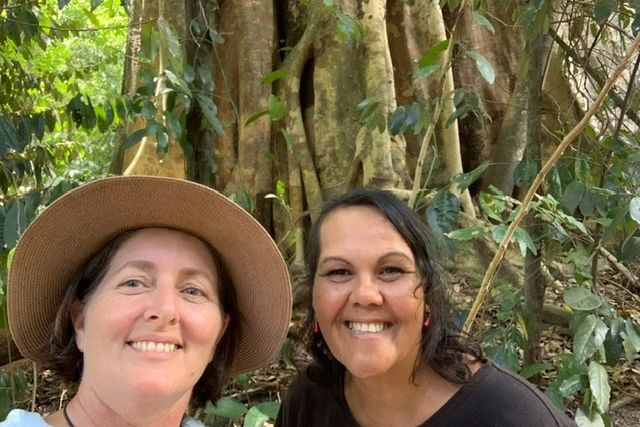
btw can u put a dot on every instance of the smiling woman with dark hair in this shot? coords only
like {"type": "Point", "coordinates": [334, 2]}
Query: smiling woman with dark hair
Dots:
{"type": "Point", "coordinates": [148, 293]}
{"type": "Point", "coordinates": [385, 350]}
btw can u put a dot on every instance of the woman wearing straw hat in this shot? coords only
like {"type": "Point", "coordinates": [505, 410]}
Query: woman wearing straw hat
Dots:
{"type": "Point", "coordinates": [148, 293]}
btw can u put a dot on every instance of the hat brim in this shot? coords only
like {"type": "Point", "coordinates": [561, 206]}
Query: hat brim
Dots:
{"type": "Point", "coordinates": [68, 232]}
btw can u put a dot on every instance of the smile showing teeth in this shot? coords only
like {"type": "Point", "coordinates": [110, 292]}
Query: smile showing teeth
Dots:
{"type": "Point", "coordinates": [358, 327]}
{"type": "Point", "coordinates": [157, 347]}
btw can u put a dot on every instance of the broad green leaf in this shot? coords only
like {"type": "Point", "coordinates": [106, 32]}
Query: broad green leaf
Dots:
{"type": "Point", "coordinates": [274, 75]}
{"type": "Point", "coordinates": [464, 180]}
{"type": "Point", "coordinates": [432, 55]}
{"type": "Point", "coordinates": [426, 71]}
{"type": "Point", "coordinates": [536, 368]}
{"type": "Point", "coordinates": [468, 233]}
{"type": "Point", "coordinates": [480, 19]}
{"type": "Point", "coordinates": [178, 82]}
{"type": "Point", "coordinates": [603, 9]}
{"type": "Point", "coordinates": [348, 27]}
{"type": "Point", "coordinates": [493, 207]}
{"type": "Point", "coordinates": [630, 340]}
{"type": "Point", "coordinates": [95, 4]}
{"type": "Point", "coordinates": [255, 418]}
{"type": "Point", "coordinates": [498, 232]}
{"type": "Point", "coordinates": [227, 407]}
{"type": "Point", "coordinates": [525, 172]}
{"type": "Point", "coordinates": [14, 223]}
{"type": "Point", "coordinates": [570, 386]}
{"type": "Point", "coordinates": [277, 108]}
{"type": "Point", "coordinates": [134, 138]}
{"type": "Point", "coordinates": [270, 409]}
{"type": "Point", "coordinates": [396, 122]}
{"type": "Point", "coordinates": [485, 68]}
{"type": "Point", "coordinates": [583, 346]}
{"type": "Point", "coordinates": [210, 112]}
{"type": "Point", "coordinates": [446, 207]}
{"type": "Point", "coordinates": [255, 117]}
{"type": "Point", "coordinates": [92, 17]}
{"type": "Point", "coordinates": [599, 385]}
{"type": "Point", "coordinates": [525, 241]}
{"type": "Point", "coordinates": [572, 196]}
{"type": "Point", "coordinates": [634, 209]}
{"type": "Point", "coordinates": [280, 188]}
{"type": "Point", "coordinates": [584, 420]}
{"type": "Point", "coordinates": [581, 299]}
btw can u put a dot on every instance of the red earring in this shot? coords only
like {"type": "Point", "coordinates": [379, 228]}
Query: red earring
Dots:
{"type": "Point", "coordinates": [427, 321]}
{"type": "Point", "coordinates": [316, 328]}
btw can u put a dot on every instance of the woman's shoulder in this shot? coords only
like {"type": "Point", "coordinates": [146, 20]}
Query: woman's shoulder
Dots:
{"type": "Point", "coordinates": [495, 396]}
{"type": "Point", "coordinates": [20, 417]}
{"type": "Point", "coordinates": [313, 401]}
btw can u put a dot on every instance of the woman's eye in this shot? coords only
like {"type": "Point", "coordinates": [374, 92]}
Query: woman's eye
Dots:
{"type": "Point", "coordinates": [131, 283]}
{"type": "Point", "coordinates": [193, 291]}
{"type": "Point", "coordinates": [389, 274]}
{"type": "Point", "coordinates": [338, 275]}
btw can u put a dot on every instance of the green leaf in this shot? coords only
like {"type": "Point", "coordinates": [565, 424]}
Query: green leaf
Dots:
{"type": "Point", "coordinates": [498, 232]}
{"type": "Point", "coordinates": [630, 340]}
{"type": "Point", "coordinates": [210, 112]}
{"type": "Point", "coordinates": [525, 241]}
{"type": "Point", "coordinates": [446, 207]}
{"type": "Point", "coordinates": [480, 19]}
{"type": "Point", "coordinates": [14, 223]}
{"type": "Point", "coordinates": [178, 82]}
{"type": "Point", "coordinates": [525, 172]}
{"type": "Point", "coordinates": [274, 75]}
{"type": "Point", "coordinates": [349, 28]}
{"type": "Point", "coordinates": [95, 4]}
{"type": "Point", "coordinates": [464, 180]}
{"type": "Point", "coordinates": [280, 188]}
{"type": "Point", "coordinates": [485, 68]}
{"type": "Point", "coordinates": [583, 346]}
{"type": "Point", "coordinates": [255, 117]}
{"type": "Point", "coordinates": [572, 196]}
{"type": "Point", "coordinates": [396, 123]}
{"type": "Point", "coordinates": [599, 385]}
{"type": "Point", "coordinates": [277, 108]}
{"type": "Point", "coordinates": [227, 407]}
{"type": "Point", "coordinates": [634, 209]}
{"type": "Point", "coordinates": [432, 55]}
{"type": "Point", "coordinates": [492, 206]}
{"type": "Point", "coordinates": [468, 233]}
{"type": "Point", "coordinates": [134, 138]}
{"type": "Point", "coordinates": [570, 386]}
{"type": "Point", "coordinates": [603, 9]}
{"type": "Point", "coordinates": [270, 409]}
{"type": "Point", "coordinates": [583, 419]}
{"type": "Point", "coordinates": [531, 370]}
{"type": "Point", "coordinates": [62, 3]}
{"type": "Point", "coordinates": [581, 299]}
{"type": "Point", "coordinates": [255, 418]}
{"type": "Point", "coordinates": [426, 71]}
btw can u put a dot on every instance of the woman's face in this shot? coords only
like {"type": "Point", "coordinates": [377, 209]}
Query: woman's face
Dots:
{"type": "Point", "coordinates": [366, 297]}
{"type": "Point", "coordinates": [153, 323]}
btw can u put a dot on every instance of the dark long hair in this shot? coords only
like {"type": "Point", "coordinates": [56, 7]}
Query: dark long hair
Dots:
{"type": "Point", "coordinates": [66, 359]}
{"type": "Point", "coordinates": [443, 346]}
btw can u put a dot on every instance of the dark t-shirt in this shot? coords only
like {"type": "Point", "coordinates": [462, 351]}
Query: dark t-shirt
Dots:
{"type": "Point", "coordinates": [494, 397]}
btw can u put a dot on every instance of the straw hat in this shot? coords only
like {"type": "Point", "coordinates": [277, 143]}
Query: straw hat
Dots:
{"type": "Point", "coordinates": [68, 232]}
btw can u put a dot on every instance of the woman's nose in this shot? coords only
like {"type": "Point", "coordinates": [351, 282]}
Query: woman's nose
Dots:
{"type": "Point", "coordinates": [162, 306]}
{"type": "Point", "coordinates": [366, 291]}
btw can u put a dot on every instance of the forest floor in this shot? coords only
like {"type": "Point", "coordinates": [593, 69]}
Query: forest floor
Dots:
{"type": "Point", "coordinates": [270, 383]}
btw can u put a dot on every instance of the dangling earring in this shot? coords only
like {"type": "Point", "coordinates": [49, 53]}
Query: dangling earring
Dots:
{"type": "Point", "coordinates": [316, 328]}
{"type": "Point", "coordinates": [427, 319]}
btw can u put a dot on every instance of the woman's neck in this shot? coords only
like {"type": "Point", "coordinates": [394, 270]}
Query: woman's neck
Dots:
{"type": "Point", "coordinates": [89, 409]}
{"type": "Point", "coordinates": [397, 400]}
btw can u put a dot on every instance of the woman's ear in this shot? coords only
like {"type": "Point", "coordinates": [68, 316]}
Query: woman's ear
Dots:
{"type": "Point", "coordinates": [223, 329]}
{"type": "Point", "coordinates": [76, 313]}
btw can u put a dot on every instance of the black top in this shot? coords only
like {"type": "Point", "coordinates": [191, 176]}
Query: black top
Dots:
{"type": "Point", "coordinates": [494, 397]}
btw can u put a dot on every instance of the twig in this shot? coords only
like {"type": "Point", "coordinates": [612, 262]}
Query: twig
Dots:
{"type": "Point", "coordinates": [571, 136]}
{"type": "Point", "coordinates": [620, 267]}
